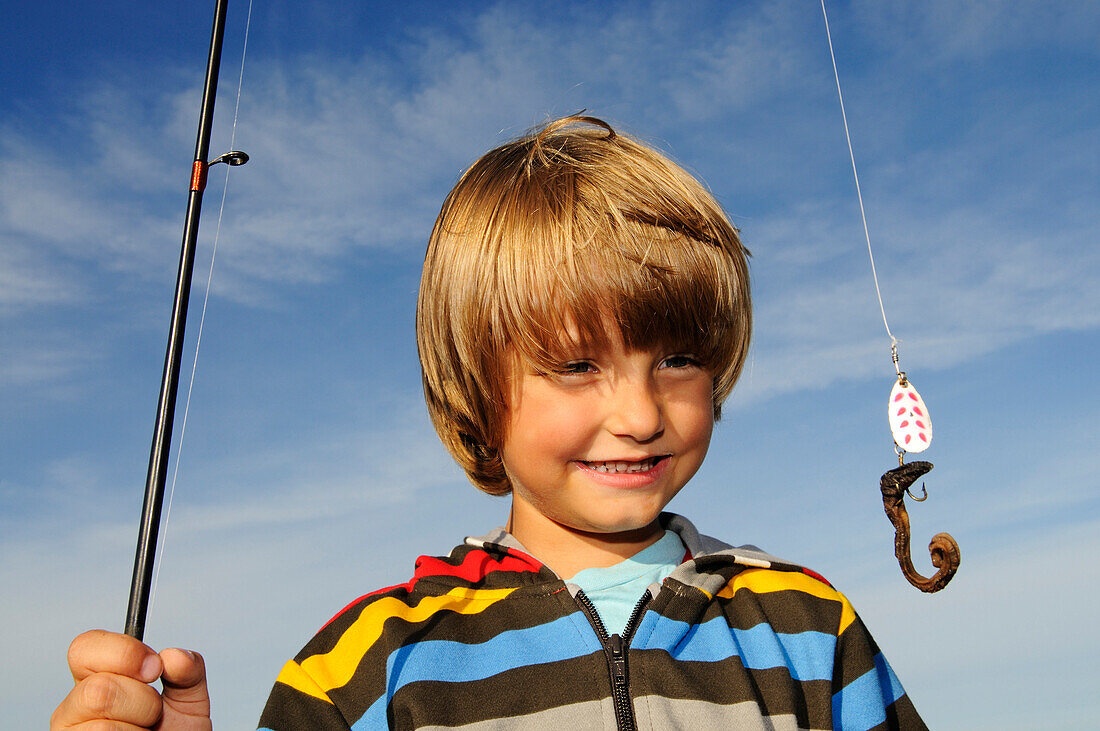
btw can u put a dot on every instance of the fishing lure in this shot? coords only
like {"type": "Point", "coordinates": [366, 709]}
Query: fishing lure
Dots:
{"type": "Point", "coordinates": [910, 425]}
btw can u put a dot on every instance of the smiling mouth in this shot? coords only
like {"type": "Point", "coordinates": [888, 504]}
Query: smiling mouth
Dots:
{"type": "Point", "coordinates": [624, 468]}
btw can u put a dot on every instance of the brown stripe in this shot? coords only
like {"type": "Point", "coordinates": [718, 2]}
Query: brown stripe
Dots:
{"type": "Point", "coordinates": [902, 715]}
{"type": "Point", "coordinates": [289, 710]}
{"type": "Point", "coordinates": [788, 612]}
{"type": "Point", "coordinates": [524, 691]}
{"type": "Point", "coordinates": [656, 673]}
{"type": "Point", "coordinates": [855, 653]}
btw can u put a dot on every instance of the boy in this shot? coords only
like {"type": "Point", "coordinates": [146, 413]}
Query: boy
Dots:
{"type": "Point", "coordinates": [584, 310]}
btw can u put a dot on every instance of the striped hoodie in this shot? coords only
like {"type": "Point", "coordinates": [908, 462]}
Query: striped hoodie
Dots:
{"type": "Point", "coordinates": [489, 638]}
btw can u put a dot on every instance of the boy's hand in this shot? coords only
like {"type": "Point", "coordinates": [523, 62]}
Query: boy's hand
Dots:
{"type": "Point", "coordinates": [112, 674]}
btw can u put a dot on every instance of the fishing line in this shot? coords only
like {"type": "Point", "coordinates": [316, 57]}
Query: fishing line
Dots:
{"type": "Point", "coordinates": [855, 174]}
{"type": "Point", "coordinates": [202, 318]}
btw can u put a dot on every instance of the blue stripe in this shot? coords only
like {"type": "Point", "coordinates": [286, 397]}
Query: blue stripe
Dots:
{"type": "Point", "coordinates": [808, 655]}
{"type": "Point", "coordinates": [861, 704]}
{"type": "Point", "coordinates": [457, 662]}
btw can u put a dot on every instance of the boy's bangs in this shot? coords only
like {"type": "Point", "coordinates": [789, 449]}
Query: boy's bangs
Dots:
{"type": "Point", "coordinates": [648, 286]}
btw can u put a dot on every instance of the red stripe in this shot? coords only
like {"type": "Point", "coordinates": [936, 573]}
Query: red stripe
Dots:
{"type": "Point", "coordinates": [353, 603]}
{"type": "Point", "coordinates": [475, 566]}
{"type": "Point", "coordinates": [815, 575]}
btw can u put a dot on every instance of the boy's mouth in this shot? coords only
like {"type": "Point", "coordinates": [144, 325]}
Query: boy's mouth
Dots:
{"type": "Point", "coordinates": [622, 467]}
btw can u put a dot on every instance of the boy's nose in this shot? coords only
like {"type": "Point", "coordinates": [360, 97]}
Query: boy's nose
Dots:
{"type": "Point", "coordinates": [636, 411]}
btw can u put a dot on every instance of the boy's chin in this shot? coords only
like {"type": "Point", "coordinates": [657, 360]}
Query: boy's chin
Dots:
{"type": "Point", "coordinates": [633, 535]}
{"type": "Point", "coordinates": [595, 519]}
{"type": "Point", "coordinates": [620, 529]}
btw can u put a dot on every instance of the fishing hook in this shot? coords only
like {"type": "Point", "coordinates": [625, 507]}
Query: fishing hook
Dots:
{"type": "Point", "coordinates": [943, 548]}
{"type": "Point", "coordinates": [901, 452]}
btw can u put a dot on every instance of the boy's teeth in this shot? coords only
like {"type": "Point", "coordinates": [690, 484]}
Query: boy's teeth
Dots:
{"type": "Point", "coordinates": [623, 467]}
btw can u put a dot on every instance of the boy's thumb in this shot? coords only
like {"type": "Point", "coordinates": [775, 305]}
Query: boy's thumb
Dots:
{"type": "Point", "coordinates": [184, 681]}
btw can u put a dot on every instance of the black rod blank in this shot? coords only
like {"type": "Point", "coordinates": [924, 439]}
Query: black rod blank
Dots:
{"type": "Point", "coordinates": [162, 430]}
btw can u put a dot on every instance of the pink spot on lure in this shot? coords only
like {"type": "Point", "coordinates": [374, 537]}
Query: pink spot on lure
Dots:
{"type": "Point", "coordinates": [911, 433]}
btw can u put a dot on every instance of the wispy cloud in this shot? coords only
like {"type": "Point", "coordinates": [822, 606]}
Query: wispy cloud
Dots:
{"type": "Point", "coordinates": [351, 153]}
{"type": "Point", "coordinates": [942, 31]}
{"type": "Point", "coordinates": [27, 280]}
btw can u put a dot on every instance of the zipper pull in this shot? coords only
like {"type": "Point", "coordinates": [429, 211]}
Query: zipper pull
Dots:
{"type": "Point", "coordinates": [618, 659]}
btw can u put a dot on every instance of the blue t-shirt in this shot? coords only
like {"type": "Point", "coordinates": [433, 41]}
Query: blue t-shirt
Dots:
{"type": "Point", "coordinates": [615, 590]}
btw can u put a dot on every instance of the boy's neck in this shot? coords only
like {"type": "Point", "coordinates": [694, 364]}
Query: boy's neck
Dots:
{"type": "Point", "coordinates": [567, 551]}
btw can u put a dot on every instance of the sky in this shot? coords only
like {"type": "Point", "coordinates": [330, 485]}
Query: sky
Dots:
{"type": "Point", "coordinates": [308, 471]}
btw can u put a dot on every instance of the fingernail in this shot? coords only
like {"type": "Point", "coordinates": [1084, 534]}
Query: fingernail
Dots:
{"type": "Point", "coordinates": [150, 668]}
{"type": "Point", "coordinates": [188, 653]}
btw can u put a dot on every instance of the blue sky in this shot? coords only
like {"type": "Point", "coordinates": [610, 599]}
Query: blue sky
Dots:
{"type": "Point", "coordinates": [309, 472]}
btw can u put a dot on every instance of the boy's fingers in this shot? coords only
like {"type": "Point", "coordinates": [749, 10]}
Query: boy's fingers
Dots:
{"type": "Point", "coordinates": [100, 651]}
{"type": "Point", "coordinates": [184, 681]}
{"type": "Point", "coordinates": [108, 696]}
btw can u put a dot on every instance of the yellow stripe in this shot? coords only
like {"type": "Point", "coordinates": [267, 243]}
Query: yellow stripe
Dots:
{"type": "Point", "coordinates": [319, 674]}
{"type": "Point", "coordinates": [763, 581]}
{"type": "Point", "coordinates": [293, 675]}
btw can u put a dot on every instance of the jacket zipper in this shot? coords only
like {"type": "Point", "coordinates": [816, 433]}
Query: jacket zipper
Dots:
{"type": "Point", "coordinates": [615, 648]}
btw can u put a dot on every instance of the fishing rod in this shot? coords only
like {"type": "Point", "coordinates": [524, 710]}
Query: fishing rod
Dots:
{"type": "Point", "coordinates": [162, 430]}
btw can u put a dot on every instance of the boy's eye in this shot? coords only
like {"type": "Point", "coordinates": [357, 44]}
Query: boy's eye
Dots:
{"type": "Point", "coordinates": [577, 368]}
{"type": "Point", "coordinates": [679, 361]}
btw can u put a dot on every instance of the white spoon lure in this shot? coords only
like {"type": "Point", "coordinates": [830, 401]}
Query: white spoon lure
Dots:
{"type": "Point", "coordinates": [910, 423]}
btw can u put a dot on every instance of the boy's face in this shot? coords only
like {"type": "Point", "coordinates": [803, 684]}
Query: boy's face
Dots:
{"type": "Point", "coordinates": [602, 445]}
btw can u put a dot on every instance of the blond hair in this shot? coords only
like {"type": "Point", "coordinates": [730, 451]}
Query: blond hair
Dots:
{"type": "Point", "coordinates": [544, 244]}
